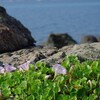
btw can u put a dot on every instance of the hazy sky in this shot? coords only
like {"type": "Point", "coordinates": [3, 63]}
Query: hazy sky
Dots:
{"type": "Point", "coordinates": [49, 0]}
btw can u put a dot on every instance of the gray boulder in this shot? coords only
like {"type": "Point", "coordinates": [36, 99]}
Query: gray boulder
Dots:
{"type": "Point", "coordinates": [13, 35]}
{"type": "Point", "coordinates": [60, 40]}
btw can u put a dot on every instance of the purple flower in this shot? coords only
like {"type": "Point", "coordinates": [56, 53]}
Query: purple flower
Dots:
{"type": "Point", "coordinates": [2, 70]}
{"type": "Point", "coordinates": [59, 69]}
{"type": "Point", "coordinates": [9, 68]}
{"type": "Point", "coordinates": [24, 66]}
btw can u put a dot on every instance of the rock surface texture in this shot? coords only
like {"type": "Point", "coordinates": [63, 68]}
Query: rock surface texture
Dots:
{"type": "Point", "coordinates": [52, 55]}
{"type": "Point", "coordinates": [13, 35]}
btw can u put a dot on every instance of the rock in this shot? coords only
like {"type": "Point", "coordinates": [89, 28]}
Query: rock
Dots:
{"type": "Point", "coordinates": [2, 10]}
{"type": "Point", "coordinates": [52, 55]}
{"type": "Point", "coordinates": [13, 35]}
{"type": "Point", "coordinates": [32, 54]}
{"type": "Point", "coordinates": [98, 38]}
{"type": "Point", "coordinates": [83, 52]}
{"type": "Point", "coordinates": [60, 40]}
{"type": "Point", "coordinates": [89, 39]}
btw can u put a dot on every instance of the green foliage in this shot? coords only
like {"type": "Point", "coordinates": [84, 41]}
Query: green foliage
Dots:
{"type": "Point", "coordinates": [82, 82]}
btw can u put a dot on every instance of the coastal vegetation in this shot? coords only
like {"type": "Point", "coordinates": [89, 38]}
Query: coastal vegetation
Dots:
{"type": "Point", "coordinates": [45, 72]}
{"type": "Point", "coordinates": [70, 80]}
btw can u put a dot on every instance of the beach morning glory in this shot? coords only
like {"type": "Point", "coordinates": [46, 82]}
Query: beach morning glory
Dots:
{"type": "Point", "coordinates": [9, 68]}
{"type": "Point", "coordinates": [59, 69]}
{"type": "Point", "coordinates": [24, 66]}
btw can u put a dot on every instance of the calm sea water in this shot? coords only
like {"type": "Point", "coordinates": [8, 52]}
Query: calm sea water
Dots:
{"type": "Point", "coordinates": [58, 16]}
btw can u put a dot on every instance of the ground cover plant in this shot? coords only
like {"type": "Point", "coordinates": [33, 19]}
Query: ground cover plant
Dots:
{"type": "Point", "coordinates": [70, 80]}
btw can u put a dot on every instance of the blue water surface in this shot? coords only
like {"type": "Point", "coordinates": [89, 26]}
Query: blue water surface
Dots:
{"type": "Point", "coordinates": [42, 17]}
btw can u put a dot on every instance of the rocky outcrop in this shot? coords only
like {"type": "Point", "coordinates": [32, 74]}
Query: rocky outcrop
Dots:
{"type": "Point", "coordinates": [89, 39]}
{"type": "Point", "coordinates": [52, 55]}
{"type": "Point", "coordinates": [59, 40]}
{"type": "Point", "coordinates": [13, 35]}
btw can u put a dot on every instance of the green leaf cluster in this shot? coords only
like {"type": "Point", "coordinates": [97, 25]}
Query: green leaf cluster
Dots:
{"type": "Point", "coordinates": [82, 82]}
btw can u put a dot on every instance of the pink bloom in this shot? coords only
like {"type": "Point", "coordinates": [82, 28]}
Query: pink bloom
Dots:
{"type": "Point", "coordinates": [9, 68]}
{"type": "Point", "coordinates": [2, 70]}
{"type": "Point", "coordinates": [59, 69]}
{"type": "Point", "coordinates": [24, 66]}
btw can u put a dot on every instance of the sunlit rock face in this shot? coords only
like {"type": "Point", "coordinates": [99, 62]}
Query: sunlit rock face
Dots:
{"type": "Point", "coordinates": [13, 35]}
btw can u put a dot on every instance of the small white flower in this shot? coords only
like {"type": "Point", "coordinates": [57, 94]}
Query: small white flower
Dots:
{"type": "Point", "coordinates": [47, 76]}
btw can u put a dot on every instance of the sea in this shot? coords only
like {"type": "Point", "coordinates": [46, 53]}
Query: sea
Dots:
{"type": "Point", "coordinates": [43, 17]}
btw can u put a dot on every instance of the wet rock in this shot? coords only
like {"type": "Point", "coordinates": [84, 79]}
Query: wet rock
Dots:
{"type": "Point", "coordinates": [60, 40]}
{"type": "Point", "coordinates": [89, 39]}
{"type": "Point", "coordinates": [13, 35]}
